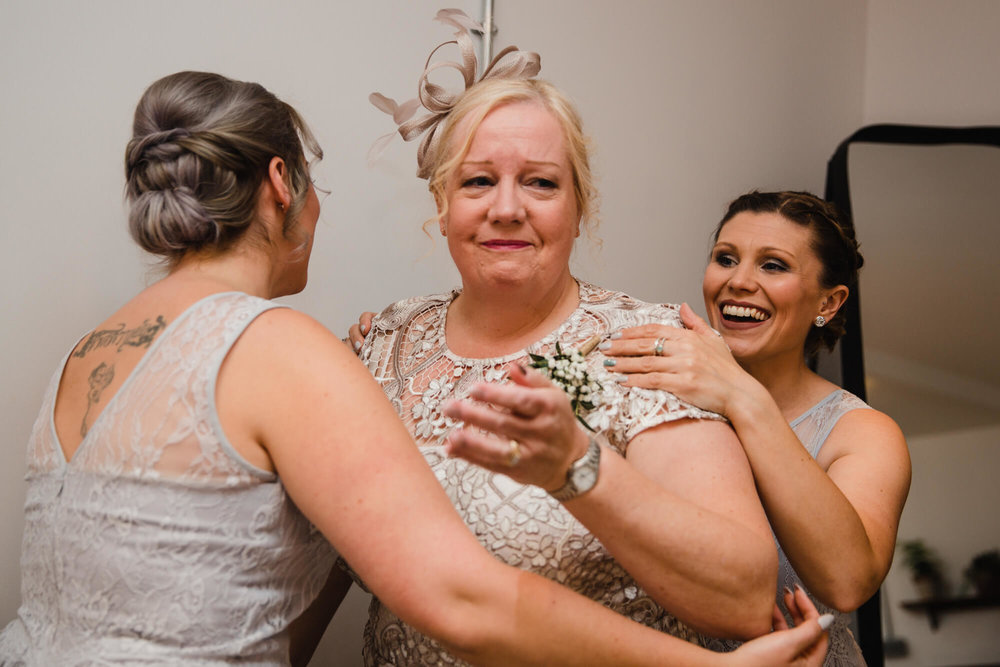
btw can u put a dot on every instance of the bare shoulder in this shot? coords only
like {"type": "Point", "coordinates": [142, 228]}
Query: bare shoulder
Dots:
{"type": "Point", "coordinates": [868, 435]}
{"type": "Point", "coordinates": [284, 337]}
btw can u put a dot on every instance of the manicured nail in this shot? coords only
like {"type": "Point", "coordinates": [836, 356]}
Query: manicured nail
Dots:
{"type": "Point", "coordinates": [798, 587]}
{"type": "Point", "coordinates": [825, 621]}
{"type": "Point", "coordinates": [357, 345]}
{"type": "Point", "coordinates": [364, 329]}
{"type": "Point", "coordinates": [606, 345]}
{"type": "Point", "coordinates": [616, 335]}
{"type": "Point", "coordinates": [620, 378]}
{"type": "Point", "coordinates": [609, 362]}
{"type": "Point", "coordinates": [788, 591]}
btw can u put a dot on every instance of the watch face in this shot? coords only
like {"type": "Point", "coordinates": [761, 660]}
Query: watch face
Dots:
{"type": "Point", "coordinates": [584, 478]}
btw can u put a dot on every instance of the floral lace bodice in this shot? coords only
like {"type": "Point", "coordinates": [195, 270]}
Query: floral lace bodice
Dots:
{"type": "Point", "coordinates": [812, 428]}
{"type": "Point", "coordinates": [521, 525]}
{"type": "Point", "coordinates": [157, 543]}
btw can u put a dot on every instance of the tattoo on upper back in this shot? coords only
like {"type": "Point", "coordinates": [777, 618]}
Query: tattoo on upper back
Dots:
{"type": "Point", "coordinates": [99, 380]}
{"type": "Point", "coordinates": [140, 336]}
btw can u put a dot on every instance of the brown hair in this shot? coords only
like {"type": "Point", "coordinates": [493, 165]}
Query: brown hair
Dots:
{"type": "Point", "coordinates": [200, 148]}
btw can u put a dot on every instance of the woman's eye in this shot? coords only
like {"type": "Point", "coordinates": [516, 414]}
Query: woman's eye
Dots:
{"type": "Point", "coordinates": [476, 182]}
{"type": "Point", "coordinates": [544, 183]}
{"type": "Point", "coordinates": [772, 265]}
{"type": "Point", "coordinates": [722, 259]}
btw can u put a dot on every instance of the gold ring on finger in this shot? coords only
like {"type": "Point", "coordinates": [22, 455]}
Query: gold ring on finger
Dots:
{"type": "Point", "coordinates": [513, 453]}
{"type": "Point", "coordinates": [658, 347]}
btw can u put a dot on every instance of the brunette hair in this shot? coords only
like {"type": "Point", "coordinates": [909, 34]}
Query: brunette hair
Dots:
{"type": "Point", "coordinates": [832, 241]}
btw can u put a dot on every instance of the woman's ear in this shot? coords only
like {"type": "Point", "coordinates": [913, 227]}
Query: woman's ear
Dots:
{"type": "Point", "coordinates": [277, 179]}
{"type": "Point", "coordinates": [833, 300]}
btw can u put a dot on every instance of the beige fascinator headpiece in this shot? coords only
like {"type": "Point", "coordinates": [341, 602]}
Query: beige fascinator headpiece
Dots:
{"type": "Point", "coordinates": [510, 63]}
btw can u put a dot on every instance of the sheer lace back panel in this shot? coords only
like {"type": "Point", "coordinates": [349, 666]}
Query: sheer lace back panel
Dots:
{"type": "Point", "coordinates": [521, 525]}
{"type": "Point", "coordinates": [157, 540]}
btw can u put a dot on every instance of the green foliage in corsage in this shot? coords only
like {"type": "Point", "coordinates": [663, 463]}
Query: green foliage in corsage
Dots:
{"type": "Point", "coordinates": [570, 372]}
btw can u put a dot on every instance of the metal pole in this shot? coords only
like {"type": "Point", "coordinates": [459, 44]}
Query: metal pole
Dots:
{"type": "Point", "coordinates": [487, 35]}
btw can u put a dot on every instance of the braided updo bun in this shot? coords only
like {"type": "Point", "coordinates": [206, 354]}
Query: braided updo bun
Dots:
{"type": "Point", "coordinates": [833, 242]}
{"type": "Point", "coordinates": [201, 145]}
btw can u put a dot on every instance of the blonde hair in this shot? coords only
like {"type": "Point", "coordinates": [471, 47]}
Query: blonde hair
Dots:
{"type": "Point", "coordinates": [486, 96]}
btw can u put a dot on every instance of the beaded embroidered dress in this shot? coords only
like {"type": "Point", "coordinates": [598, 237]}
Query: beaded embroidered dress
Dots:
{"type": "Point", "coordinates": [812, 428]}
{"type": "Point", "coordinates": [157, 543]}
{"type": "Point", "coordinates": [521, 525]}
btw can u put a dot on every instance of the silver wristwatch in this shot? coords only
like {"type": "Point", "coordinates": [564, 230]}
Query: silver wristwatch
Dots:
{"type": "Point", "coordinates": [582, 474]}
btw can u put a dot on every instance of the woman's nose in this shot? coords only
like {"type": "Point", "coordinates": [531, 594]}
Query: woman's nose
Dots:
{"type": "Point", "coordinates": [508, 203]}
{"type": "Point", "coordinates": [742, 277]}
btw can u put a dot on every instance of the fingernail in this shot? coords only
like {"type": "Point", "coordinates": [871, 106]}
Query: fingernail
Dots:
{"type": "Point", "coordinates": [616, 335]}
{"type": "Point", "coordinates": [798, 587]}
{"type": "Point", "coordinates": [609, 362]}
{"type": "Point", "coordinates": [521, 368]}
{"type": "Point", "coordinates": [620, 378]}
{"type": "Point", "coordinates": [364, 329]}
{"type": "Point", "coordinates": [788, 591]}
{"type": "Point", "coordinates": [606, 345]}
{"type": "Point", "coordinates": [357, 345]}
{"type": "Point", "coordinates": [825, 621]}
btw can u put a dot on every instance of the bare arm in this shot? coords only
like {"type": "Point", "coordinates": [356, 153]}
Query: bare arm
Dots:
{"type": "Point", "coordinates": [349, 465]}
{"type": "Point", "coordinates": [680, 514]}
{"type": "Point", "coordinates": [836, 518]}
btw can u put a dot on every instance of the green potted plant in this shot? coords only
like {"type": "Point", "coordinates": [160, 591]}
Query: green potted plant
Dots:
{"type": "Point", "coordinates": [925, 568]}
{"type": "Point", "coordinates": [983, 573]}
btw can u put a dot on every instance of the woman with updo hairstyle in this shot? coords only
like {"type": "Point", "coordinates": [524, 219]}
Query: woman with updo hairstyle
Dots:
{"type": "Point", "coordinates": [197, 454]}
{"type": "Point", "coordinates": [780, 270]}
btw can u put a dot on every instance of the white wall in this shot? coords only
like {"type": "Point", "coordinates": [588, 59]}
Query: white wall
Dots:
{"type": "Point", "coordinates": [936, 63]}
{"type": "Point", "coordinates": [931, 62]}
{"type": "Point", "coordinates": [952, 507]}
{"type": "Point", "coordinates": [689, 103]}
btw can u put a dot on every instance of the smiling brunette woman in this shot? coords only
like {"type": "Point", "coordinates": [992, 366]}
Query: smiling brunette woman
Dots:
{"type": "Point", "coordinates": [832, 473]}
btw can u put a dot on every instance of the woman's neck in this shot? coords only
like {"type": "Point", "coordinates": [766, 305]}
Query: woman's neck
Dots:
{"type": "Point", "coordinates": [494, 322]}
{"type": "Point", "coordinates": [234, 270]}
{"type": "Point", "coordinates": [792, 385]}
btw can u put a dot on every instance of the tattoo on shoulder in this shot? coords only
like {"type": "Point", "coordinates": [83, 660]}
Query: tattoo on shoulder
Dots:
{"type": "Point", "coordinates": [99, 380]}
{"type": "Point", "coordinates": [140, 336]}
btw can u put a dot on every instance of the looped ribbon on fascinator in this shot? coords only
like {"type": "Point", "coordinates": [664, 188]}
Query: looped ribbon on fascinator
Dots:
{"type": "Point", "coordinates": [511, 63]}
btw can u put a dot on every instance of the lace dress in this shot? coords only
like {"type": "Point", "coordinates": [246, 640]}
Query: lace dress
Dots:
{"type": "Point", "coordinates": [521, 525]}
{"type": "Point", "coordinates": [812, 429]}
{"type": "Point", "coordinates": [157, 543]}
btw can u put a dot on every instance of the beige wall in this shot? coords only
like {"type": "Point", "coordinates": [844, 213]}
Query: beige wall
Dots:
{"type": "Point", "coordinates": [689, 103]}
{"type": "Point", "coordinates": [933, 62]}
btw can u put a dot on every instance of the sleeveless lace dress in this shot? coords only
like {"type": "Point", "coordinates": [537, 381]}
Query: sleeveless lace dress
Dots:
{"type": "Point", "coordinates": [157, 543]}
{"type": "Point", "coordinates": [812, 428]}
{"type": "Point", "coordinates": [521, 525]}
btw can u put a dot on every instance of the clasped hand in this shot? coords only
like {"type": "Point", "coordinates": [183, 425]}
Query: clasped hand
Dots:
{"type": "Point", "coordinates": [695, 364]}
{"type": "Point", "coordinates": [530, 410]}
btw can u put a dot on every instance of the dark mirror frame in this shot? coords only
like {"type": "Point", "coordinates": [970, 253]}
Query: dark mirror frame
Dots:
{"type": "Point", "coordinates": [852, 364]}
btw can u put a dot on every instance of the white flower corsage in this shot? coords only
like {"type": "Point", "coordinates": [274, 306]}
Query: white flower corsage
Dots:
{"type": "Point", "coordinates": [570, 372]}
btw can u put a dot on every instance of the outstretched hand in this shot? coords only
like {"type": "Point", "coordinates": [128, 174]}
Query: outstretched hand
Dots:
{"type": "Point", "coordinates": [805, 644]}
{"type": "Point", "coordinates": [530, 411]}
{"type": "Point", "coordinates": [695, 364]}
